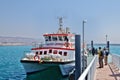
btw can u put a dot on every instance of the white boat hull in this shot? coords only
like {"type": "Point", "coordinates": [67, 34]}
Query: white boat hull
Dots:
{"type": "Point", "coordinates": [67, 68]}
{"type": "Point", "coordinates": [32, 67]}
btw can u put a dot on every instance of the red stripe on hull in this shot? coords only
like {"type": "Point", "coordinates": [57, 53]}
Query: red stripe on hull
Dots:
{"type": "Point", "coordinates": [52, 48]}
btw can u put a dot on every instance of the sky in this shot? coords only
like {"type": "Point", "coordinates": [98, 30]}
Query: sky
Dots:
{"type": "Point", "coordinates": [33, 18]}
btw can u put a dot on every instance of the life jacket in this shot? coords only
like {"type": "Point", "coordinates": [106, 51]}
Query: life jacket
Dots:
{"type": "Point", "coordinates": [100, 53]}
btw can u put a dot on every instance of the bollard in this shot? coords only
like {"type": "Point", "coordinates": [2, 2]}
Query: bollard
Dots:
{"type": "Point", "coordinates": [91, 44]}
{"type": "Point", "coordinates": [108, 46]}
{"type": "Point", "coordinates": [77, 57]}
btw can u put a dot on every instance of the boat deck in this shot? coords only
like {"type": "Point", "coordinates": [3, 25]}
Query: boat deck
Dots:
{"type": "Point", "coordinates": [108, 72]}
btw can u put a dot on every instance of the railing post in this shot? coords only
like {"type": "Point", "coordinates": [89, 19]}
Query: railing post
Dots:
{"type": "Point", "coordinates": [116, 60]}
{"type": "Point", "coordinates": [90, 70]}
{"type": "Point", "coordinates": [92, 44]}
{"type": "Point", "coordinates": [77, 57]}
{"type": "Point", "coordinates": [108, 46]}
{"type": "Point", "coordinates": [119, 62]}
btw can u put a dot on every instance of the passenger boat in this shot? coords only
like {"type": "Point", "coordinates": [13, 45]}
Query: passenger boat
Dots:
{"type": "Point", "coordinates": [58, 50]}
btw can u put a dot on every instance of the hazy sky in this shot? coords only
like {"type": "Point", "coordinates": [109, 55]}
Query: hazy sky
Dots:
{"type": "Point", "coordinates": [32, 18]}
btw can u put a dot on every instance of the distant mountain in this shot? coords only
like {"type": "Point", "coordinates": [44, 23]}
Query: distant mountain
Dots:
{"type": "Point", "coordinates": [16, 40]}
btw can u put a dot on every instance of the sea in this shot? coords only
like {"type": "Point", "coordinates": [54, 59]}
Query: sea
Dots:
{"type": "Point", "coordinates": [12, 69]}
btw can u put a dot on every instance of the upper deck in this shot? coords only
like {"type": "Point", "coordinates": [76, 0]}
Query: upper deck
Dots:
{"type": "Point", "coordinates": [63, 38]}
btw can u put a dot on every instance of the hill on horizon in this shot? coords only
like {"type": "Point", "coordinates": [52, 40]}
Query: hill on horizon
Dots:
{"type": "Point", "coordinates": [18, 39]}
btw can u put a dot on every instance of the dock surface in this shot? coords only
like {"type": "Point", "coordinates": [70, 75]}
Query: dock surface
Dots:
{"type": "Point", "coordinates": [108, 72]}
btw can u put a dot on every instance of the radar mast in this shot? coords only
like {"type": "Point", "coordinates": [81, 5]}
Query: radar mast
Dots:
{"type": "Point", "coordinates": [61, 30]}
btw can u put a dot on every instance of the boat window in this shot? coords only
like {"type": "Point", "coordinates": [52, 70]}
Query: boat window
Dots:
{"type": "Point", "coordinates": [50, 51]}
{"type": "Point", "coordinates": [65, 53]}
{"type": "Point", "coordinates": [60, 52]}
{"type": "Point", "coordinates": [46, 38]}
{"type": "Point", "coordinates": [72, 40]}
{"type": "Point", "coordinates": [60, 38]}
{"type": "Point", "coordinates": [45, 52]}
{"type": "Point", "coordinates": [54, 38]}
{"type": "Point", "coordinates": [55, 52]}
{"type": "Point", "coordinates": [40, 52]}
{"type": "Point", "coordinates": [49, 38]}
{"type": "Point", "coordinates": [36, 52]}
{"type": "Point", "coordinates": [65, 38]}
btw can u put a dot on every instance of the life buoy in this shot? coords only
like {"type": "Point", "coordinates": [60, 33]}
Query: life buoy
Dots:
{"type": "Point", "coordinates": [68, 45]}
{"type": "Point", "coordinates": [71, 45]}
{"type": "Point", "coordinates": [55, 51]}
{"type": "Point", "coordinates": [36, 58]}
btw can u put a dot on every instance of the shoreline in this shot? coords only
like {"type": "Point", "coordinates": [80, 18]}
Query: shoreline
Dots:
{"type": "Point", "coordinates": [15, 44]}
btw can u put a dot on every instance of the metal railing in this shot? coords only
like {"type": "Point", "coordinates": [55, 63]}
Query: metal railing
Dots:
{"type": "Point", "coordinates": [116, 60]}
{"type": "Point", "coordinates": [89, 72]}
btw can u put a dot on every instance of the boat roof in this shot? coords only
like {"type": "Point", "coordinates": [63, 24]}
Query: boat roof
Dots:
{"type": "Point", "coordinates": [58, 35]}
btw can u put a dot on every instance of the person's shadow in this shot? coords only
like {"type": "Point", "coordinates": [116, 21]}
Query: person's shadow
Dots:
{"type": "Point", "coordinates": [115, 75]}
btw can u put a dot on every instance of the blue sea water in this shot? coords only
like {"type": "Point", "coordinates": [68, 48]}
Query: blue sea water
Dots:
{"type": "Point", "coordinates": [12, 69]}
{"type": "Point", "coordinates": [10, 66]}
{"type": "Point", "coordinates": [114, 48]}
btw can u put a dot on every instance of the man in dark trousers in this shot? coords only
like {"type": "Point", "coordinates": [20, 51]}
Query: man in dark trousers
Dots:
{"type": "Point", "coordinates": [105, 52]}
{"type": "Point", "coordinates": [93, 51]}
{"type": "Point", "coordinates": [100, 56]}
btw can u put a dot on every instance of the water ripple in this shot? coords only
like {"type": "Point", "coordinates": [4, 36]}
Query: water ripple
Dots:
{"type": "Point", "coordinates": [10, 66]}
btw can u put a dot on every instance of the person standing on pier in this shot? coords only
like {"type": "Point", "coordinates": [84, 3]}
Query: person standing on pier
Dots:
{"type": "Point", "coordinates": [105, 51]}
{"type": "Point", "coordinates": [93, 51]}
{"type": "Point", "coordinates": [101, 56]}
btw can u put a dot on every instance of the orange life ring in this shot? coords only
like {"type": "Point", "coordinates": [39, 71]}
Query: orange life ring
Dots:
{"type": "Point", "coordinates": [68, 45]}
{"type": "Point", "coordinates": [71, 45]}
{"type": "Point", "coordinates": [55, 51]}
{"type": "Point", "coordinates": [36, 58]}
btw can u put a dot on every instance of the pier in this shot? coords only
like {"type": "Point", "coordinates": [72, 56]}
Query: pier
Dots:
{"type": "Point", "coordinates": [108, 72]}
{"type": "Point", "coordinates": [111, 71]}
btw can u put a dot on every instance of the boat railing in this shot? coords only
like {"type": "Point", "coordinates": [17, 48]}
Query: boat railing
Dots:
{"type": "Point", "coordinates": [116, 60]}
{"type": "Point", "coordinates": [25, 53]}
{"type": "Point", "coordinates": [36, 45]}
{"type": "Point", "coordinates": [89, 72]}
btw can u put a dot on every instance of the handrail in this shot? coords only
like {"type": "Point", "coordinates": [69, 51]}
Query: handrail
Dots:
{"type": "Point", "coordinates": [116, 60]}
{"type": "Point", "coordinates": [90, 70]}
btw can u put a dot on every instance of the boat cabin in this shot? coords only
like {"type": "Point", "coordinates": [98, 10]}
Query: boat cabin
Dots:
{"type": "Point", "coordinates": [59, 40]}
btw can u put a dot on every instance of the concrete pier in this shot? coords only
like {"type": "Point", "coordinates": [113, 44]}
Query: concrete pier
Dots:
{"type": "Point", "coordinates": [108, 72]}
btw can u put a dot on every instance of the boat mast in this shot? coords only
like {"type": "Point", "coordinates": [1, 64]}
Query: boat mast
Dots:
{"type": "Point", "coordinates": [61, 30]}
{"type": "Point", "coordinates": [60, 23]}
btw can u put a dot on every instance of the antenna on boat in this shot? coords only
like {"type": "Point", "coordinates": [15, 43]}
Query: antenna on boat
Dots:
{"type": "Point", "coordinates": [60, 22]}
{"type": "Point", "coordinates": [60, 30]}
